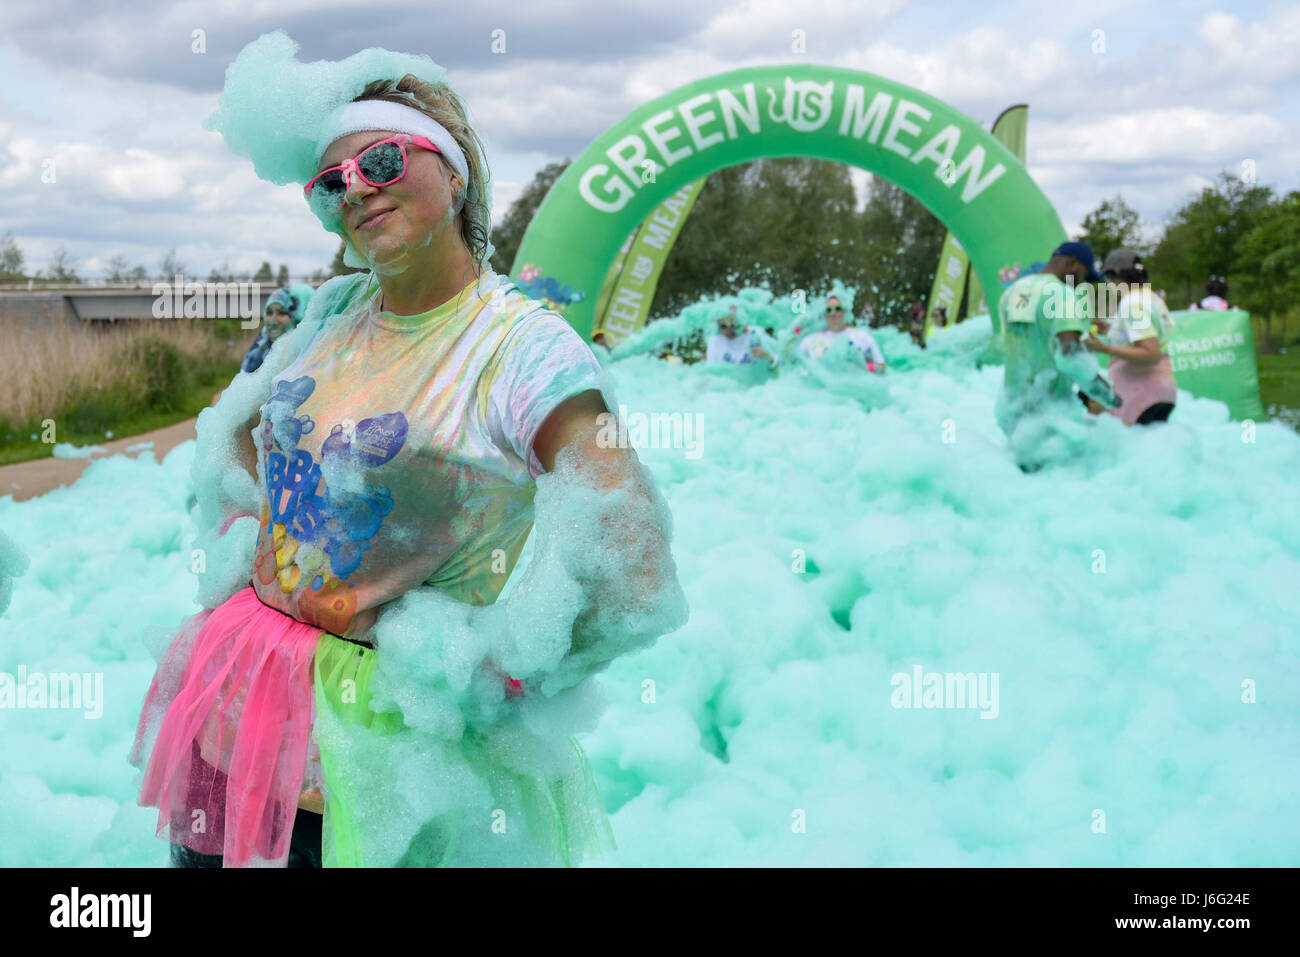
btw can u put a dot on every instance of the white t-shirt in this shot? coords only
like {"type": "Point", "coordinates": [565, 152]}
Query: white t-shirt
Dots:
{"type": "Point", "coordinates": [815, 346]}
{"type": "Point", "coordinates": [1139, 316]}
{"type": "Point", "coordinates": [1211, 302]}
{"type": "Point", "coordinates": [735, 351]}
{"type": "Point", "coordinates": [398, 450]}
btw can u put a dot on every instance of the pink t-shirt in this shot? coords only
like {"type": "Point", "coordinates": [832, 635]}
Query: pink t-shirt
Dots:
{"type": "Point", "coordinates": [1139, 316]}
{"type": "Point", "coordinates": [398, 450]}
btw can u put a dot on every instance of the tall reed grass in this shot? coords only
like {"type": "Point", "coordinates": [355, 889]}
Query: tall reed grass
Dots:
{"type": "Point", "coordinates": [84, 376]}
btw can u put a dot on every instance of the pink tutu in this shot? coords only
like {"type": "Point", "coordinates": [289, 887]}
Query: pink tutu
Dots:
{"type": "Point", "coordinates": [227, 728]}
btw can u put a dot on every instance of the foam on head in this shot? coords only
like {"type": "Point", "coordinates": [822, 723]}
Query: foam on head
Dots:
{"type": "Point", "coordinates": [273, 106]}
{"type": "Point", "coordinates": [273, 109]}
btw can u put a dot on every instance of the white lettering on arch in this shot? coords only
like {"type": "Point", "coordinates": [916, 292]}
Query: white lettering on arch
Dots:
{"type": "Point", "coordinates": [732, 110]}
{"type": "Point", "coordinates": [901, 124]}
{"type": "Point", "coordinates": [873, 115]}
{"type": "Point", "coordinates": [971, 167]}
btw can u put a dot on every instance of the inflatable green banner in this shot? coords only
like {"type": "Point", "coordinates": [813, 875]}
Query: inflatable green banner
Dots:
{"type": "Point", "coordinates": [949, 284]}
{"type": "Point", "coordinates": [630, 286]}
{"type": "Point", "coordinates": [1213, 356]}
{"type": "Point", "coordinates": [957, 170]}
{"type": "Point", "coordinates": [1011, 129]}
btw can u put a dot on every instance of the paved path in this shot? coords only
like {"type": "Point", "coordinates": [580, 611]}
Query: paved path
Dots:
{"type": "Point", "coordinates": [24, 480]}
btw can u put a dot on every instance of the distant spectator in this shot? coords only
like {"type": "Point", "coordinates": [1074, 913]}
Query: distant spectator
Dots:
{"type": "Point", "coordinates": [941, 317]}
{"type": "Point", "coordinates": [601, 338]}
{"type": "Point", "coordinates": [1216, 295]}
{"type": "Point", "coordinates": [284, 310]}
{"type": "Point", "coordinates": [916, 324]}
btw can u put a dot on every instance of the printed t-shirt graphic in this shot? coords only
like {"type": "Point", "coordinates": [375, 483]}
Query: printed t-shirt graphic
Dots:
{"type": "Point", "coordinates": [397, 451]}
{"type": "Point", "coordinates": [1035, 310]}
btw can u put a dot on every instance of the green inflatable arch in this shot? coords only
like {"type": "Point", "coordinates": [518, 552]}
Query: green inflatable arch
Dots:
{"type": "Point", "coordinates": [969, 180]}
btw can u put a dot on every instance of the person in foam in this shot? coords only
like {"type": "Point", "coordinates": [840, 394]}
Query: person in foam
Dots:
{"type": "Point", "coordinates": [1044, 318]}
{"type": "Point", "coordinates": [1134, 340]}
{"type": "Point", "coordinates": [390, 448]}
{"type": "Point", "coordinates": [817, 344]}
{"type": "Point", "coordinates": [732, 345]}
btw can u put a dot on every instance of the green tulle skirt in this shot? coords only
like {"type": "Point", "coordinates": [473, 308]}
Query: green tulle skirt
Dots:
{"type": "Point", "coordinates": [556, 820]}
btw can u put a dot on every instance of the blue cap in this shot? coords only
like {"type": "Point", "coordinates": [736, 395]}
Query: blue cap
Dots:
{"type": "Point", "coordinates": [1083, 253]}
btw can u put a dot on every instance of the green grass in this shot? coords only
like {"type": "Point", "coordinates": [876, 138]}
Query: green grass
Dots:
{"type": "Point", "coordinates": [1279, 369]}
{"type": "Point", "coordinates": [87, 423]}
{"type": "Point", "coordinates": [1279, 385]}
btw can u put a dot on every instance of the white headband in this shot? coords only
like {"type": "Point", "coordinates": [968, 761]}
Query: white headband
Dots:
{"type": "Point", "coordinates": [382, 115]}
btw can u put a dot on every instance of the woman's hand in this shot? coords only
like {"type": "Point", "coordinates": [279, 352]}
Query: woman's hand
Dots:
{"type": "Point", "coordinates": [1093, 344]}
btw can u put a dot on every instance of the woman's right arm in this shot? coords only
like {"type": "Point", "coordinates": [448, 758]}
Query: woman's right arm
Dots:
{"type": "Point", "coordinates": [247, 450]}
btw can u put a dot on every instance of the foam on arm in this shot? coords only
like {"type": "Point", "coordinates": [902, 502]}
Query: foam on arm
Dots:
{"type": "Point", "coordinates": [229, 497]}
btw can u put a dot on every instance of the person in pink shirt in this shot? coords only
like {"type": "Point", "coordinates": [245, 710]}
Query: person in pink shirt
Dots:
{"type": "Point", "coordinates": [1139, 368]}
{"type": "Point", "coordinates": [1216, 295]}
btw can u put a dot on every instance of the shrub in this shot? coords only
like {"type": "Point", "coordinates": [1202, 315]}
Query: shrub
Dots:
{"type": "Point", "coordinates": [167, 375]}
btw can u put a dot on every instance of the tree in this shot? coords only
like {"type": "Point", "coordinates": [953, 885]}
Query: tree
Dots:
{"type": "Point", "coordinates": [1268, 262]}
{"type": "Point", "coordinates": [63, 267]}
{"type": "Point", "coordinates": [902, 241]}
{"type": "Point", "coordinates": [171, 265]}
{"type": "Point", "coordinates": [222, 273]}
{"type": "Point", "coordinates": [263, 273]}
{"type": "Point", "coordinates": [1203, 236]}
{"type": "Point", "coordinates": [788, 223]}
{"type": "Point", "coordinates": [507, 236]}
{"type": "Point", "coordinates": [338, 267]}
{"type": "Point", "coordinates": [11, 258]}
{"type": "Point", "coordinates": [282, 276]}
{"type": "Point", "coordinates": [1171, 263]}
{"type": "Point", "coordinates": [116, 269]}
{"type": "Point", "coordinates": [138, 274]}
{"type": "Point", "coordinates": [1111, 225]}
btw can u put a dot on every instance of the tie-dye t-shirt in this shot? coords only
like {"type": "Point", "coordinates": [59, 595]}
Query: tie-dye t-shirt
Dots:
{"type": "Point", "coordinates": [397, 451]}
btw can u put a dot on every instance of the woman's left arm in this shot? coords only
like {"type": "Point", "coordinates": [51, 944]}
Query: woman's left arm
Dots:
{"type": "Point", "coordinates": [578, 420]}
{"type": "Point", "coordinates": [611, 530]}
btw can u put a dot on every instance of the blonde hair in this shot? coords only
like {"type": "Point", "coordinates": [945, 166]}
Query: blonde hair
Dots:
{"type": "Point", "coordinates": [444, 106]}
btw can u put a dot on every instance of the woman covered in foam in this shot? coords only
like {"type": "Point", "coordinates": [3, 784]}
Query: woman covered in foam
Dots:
{"type": "Point", "coordinates": [363, 499]}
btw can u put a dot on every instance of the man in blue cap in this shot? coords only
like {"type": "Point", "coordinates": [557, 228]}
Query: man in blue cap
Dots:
{"type": "Point", "coordinates": [1045, 316]}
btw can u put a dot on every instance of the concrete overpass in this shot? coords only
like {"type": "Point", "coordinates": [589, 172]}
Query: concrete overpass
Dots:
{"type": "Point", "coordinates": [79, 303]}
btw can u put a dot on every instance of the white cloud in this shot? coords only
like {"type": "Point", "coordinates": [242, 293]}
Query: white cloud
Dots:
{"type": "Point", "coordinates": [1186, 134]}
{"type": "Point", "coordinates": [1175, 99]}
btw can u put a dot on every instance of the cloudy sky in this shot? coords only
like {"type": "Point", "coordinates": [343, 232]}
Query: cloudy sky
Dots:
{"type": "Point", "coordinates": [1152, 106]}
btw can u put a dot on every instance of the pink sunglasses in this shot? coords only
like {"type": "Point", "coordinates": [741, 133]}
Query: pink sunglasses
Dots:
{"type": "Point", "coordinates": [379, 164]}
